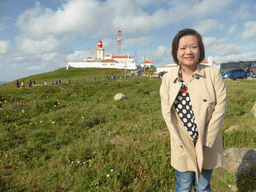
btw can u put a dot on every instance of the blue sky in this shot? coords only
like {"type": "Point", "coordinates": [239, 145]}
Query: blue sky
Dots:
{"type": "Point", "coordinates": [41, 36]}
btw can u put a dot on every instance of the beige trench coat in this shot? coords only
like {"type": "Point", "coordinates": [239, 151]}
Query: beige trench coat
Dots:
{"type": "Point", "coordinates": [208, 97]}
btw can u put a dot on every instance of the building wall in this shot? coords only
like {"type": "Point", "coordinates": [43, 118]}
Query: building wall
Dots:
{"type": "Point", "coordinates": [164, 69]}
{"type": "Point", "coordinates": [129, 65]}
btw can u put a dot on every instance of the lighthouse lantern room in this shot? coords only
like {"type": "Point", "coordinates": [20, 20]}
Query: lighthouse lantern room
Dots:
{"type": "Point", "coordinates": [100, 51]}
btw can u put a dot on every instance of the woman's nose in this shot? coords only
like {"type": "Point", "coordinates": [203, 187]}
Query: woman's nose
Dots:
{"type": "Point", "coordinates": [188, 51]}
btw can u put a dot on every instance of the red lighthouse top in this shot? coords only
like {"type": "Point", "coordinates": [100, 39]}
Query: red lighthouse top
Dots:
{"type": "Point", "coordinates": [99, 44]}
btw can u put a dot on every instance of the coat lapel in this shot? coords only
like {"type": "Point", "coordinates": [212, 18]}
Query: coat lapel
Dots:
{"type": "Point", "coordinates": [174, 87]}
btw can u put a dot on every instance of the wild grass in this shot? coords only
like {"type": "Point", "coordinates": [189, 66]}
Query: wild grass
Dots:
{"type": "Point", "coordinates": [75, 137]}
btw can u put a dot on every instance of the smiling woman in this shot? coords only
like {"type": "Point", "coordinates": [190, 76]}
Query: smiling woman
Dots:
{"type": "Point", "coordinates": [193, 101]}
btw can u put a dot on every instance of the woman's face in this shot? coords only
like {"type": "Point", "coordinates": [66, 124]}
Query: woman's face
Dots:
{"type": "Point", "coordinates": [188, 51]}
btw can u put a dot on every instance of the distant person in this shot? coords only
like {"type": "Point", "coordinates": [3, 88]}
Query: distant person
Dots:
{"type": "Point", "coordinates": [193, 101]}
{"type": "Point", "coordinates": [251, 72]}
{"type": "Point", "coordinates": [34, 83]}
{"type": "Point", "coordinates": [113, 77]}
{"type": "Point", "coordinates": [69, 81]}
{"type": "Point", "coordinates": [17, 83]}
{"type": "Point", "coordinates": [56, 82]}
{"type": "Point", "coordinates": [59, 81]}
{"type": "Point", "coordinates": [22, 84]}
{"type": "Point", "coordinates": [45, 83]}
{"type": "Point", "coordinates": [248, 70]}
{"type": "Point", "coordinates": [52, 83]}
{"type": "Point", "coordinates": [30, 83]}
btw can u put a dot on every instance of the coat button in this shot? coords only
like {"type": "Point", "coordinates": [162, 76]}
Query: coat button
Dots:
{"type": "Point", "coordinates": [204, 100]}
{"type": "Point", "coordinates": [197, 77]}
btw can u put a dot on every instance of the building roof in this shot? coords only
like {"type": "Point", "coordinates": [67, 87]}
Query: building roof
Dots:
{"type": "Point", "coordinates": [147, 61]}
{"type": "Point", "coordinates": [120, 57]}
{"type": "Point", "coordinates": [206, 61]}
{"type": "Point", "coordinates": [168, 66]}
{"type": "Point", "coordinates": [109, 61]}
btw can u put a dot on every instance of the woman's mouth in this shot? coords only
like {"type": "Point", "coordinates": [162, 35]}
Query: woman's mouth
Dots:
{"type": "Point", "coordinates": [189, 58]}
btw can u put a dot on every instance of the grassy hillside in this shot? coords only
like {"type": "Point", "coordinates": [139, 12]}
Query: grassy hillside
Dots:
{"type": "Point", "coordinates": [77, 138]}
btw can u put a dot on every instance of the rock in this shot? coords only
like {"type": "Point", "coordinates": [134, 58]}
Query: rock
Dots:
{"type": "Point", "coordinates": [242, 162]}
{"type": "Point", "coordinates": [246, 172]}
{"type": "Point", "coordinates": [232, 128]}
{"type": "Point", "coordinates": [233, 158]}
{"type": "Point", "coordinates": [119, 96]}
{"type": "Point", "coordinates": [254, 110]}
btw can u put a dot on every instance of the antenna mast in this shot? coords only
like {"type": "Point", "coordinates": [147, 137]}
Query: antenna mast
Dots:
{"type": "Point", "coordinates": [119, 40]}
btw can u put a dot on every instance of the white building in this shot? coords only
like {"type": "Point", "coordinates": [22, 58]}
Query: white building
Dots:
{"type": "Point", "coordinates": [147, 63]}
{"type": "Point", "coordinates": [117, 62]}
{"type": "Point", "coordinates": [166, 68]}
{"type": "Point", "coordinates": [170, 67]}
{"type": "Point", "coordinates": [209, 62]}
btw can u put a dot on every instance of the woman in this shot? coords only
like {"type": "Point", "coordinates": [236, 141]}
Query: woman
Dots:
{"type": "Point", "coordinates": [193, 101]}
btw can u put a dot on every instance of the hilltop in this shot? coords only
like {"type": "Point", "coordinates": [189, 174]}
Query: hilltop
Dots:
{"type": "Point", "coordinates": [73, 74]}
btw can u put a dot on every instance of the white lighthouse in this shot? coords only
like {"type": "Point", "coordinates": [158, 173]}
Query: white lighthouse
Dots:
{"type": "Point", "coordinates": [100, 51]}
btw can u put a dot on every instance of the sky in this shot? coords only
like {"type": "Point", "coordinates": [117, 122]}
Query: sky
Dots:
{"type": "Point", "coordinates": [44, 35]}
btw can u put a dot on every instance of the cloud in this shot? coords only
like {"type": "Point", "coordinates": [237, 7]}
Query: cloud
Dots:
{"type": "Point", "coordinates": [160, 55]}
{"type": "Point", "coordinates": [251, 56]}
{"type": "Point", "coordinates": [149, 2]}
{"type": "Point", "coordinates": [242, 13]}
{"type": "Point", "coordinates": [34, 68]}
{"type": "Point", "coordinates": [4, 47]}
{"type": "Point", "coordinates": [250, 30]}
{"type": "Point", "coordinates": [163, 51]}
{"type": "Point", "coordinates": [206, 26]}
{"type": "Point", "coordinates": [209, 6]}
{"type": "Point", "coordinates": [19, 58]}
{"type": "Point", "coordinates": [94, 19]}
{"type": "Point", "coordinates": [49, 56]}
{"type": "Point", "coordinates": [45, 33]}
{"type": "Point", "coordinates": [232, 29]}
{"type": "Point", "coordinates": [222, 46]}
{"type": "Point", "coordinates": [72, 17]}
{"type": "Point", "coordinates": [208, 41]}
{"type": "Point", "coordinates": [137, 41]}
{"type": "Point", "coordinates": [29, 45]}
{"type": "Point", "coordinates": [78, 56]}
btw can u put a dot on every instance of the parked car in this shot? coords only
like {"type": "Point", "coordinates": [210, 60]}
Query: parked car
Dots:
{"type": "Point", "coordinates": [235, 74]}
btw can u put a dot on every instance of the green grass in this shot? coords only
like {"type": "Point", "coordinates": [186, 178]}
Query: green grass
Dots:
{"type": "Point", "coordinates": [77, 138]}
